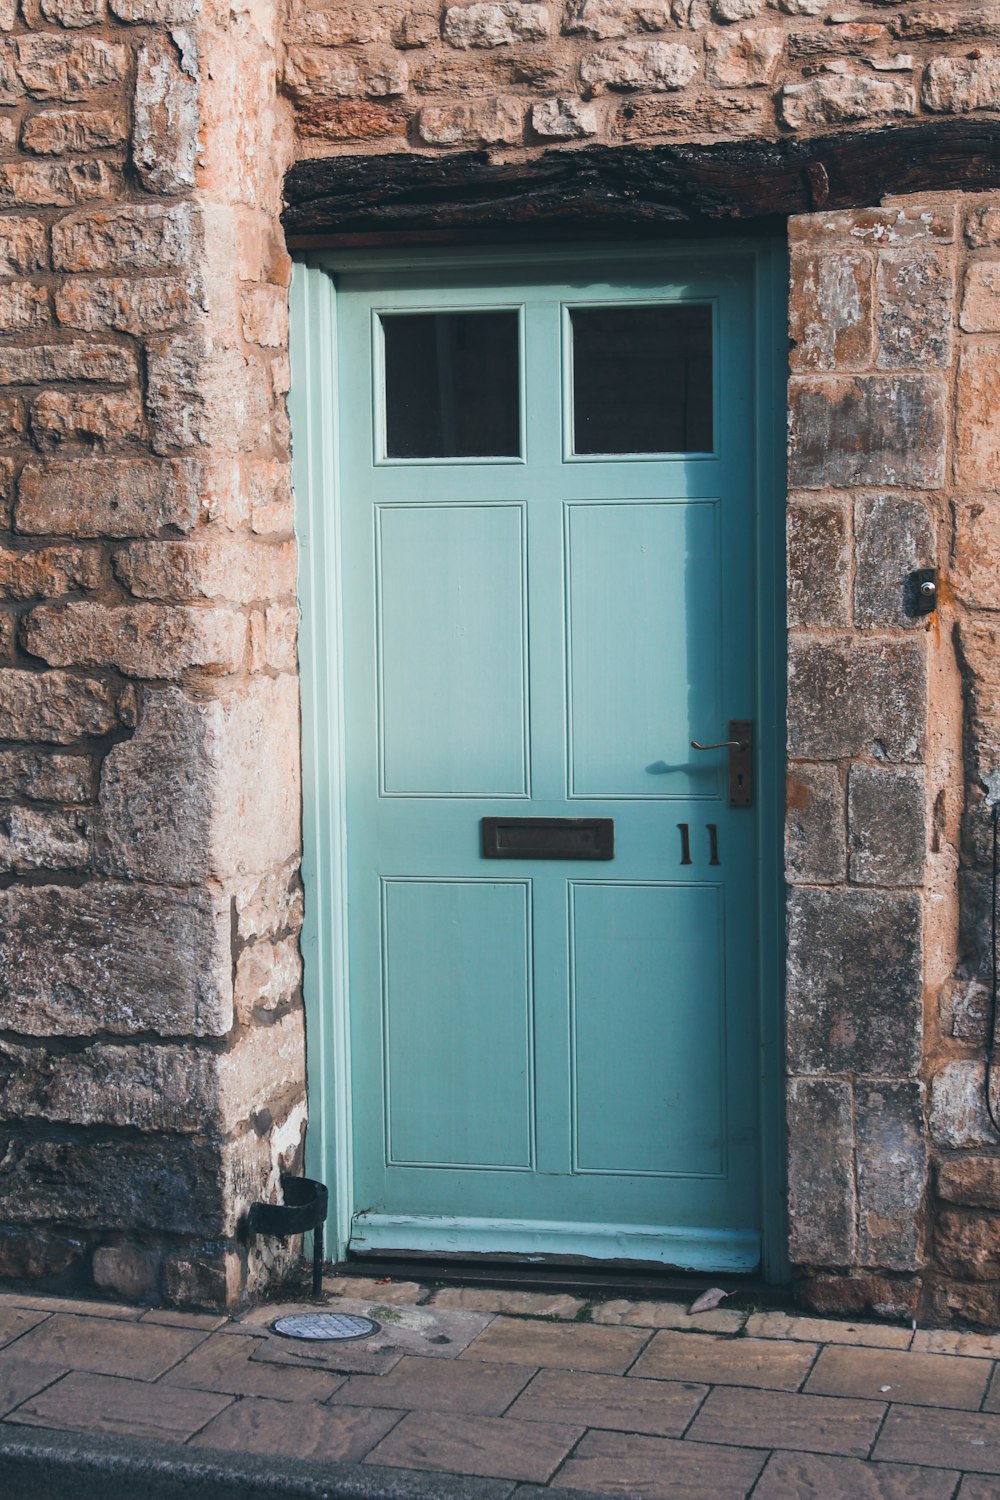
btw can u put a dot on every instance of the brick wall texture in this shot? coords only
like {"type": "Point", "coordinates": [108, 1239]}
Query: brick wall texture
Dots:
{"type": "Point", "coordinates": [151, 1022]}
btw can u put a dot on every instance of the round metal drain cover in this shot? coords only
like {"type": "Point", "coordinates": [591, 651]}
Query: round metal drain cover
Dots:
{"type": "Point", "coordinates": [326, 1326]}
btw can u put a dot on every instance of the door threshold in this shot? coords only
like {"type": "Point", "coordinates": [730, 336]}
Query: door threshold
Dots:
{"type": "Point", "coordinates": [598, 1281]}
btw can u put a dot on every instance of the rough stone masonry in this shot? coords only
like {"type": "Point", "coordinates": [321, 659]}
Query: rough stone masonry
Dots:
{"type": "Point", "coordinates": [151, 1033]}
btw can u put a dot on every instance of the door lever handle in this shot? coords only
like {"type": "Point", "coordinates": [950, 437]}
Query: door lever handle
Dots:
{"type": "Point", "coordinates": [740, 747]}
{"type": "Point", "coordinates": [720, 745]}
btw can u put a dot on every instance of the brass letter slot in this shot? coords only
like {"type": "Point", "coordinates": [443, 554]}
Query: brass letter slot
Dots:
{"type": "Point", "coordinates": [548, 838]}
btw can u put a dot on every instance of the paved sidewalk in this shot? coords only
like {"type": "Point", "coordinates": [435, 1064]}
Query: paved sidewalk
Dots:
{"type": "Point", "coordinates": [613, 1397]}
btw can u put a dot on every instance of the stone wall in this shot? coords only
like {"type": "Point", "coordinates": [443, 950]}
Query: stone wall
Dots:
{"type": "Point", "coordinates": [151, 1030]}
{"type": "Point", "coordinates": [507, 74]}
{"type": "Point", "coordinates": [894, 466]}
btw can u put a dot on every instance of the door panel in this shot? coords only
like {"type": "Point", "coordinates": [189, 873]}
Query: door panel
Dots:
{"type": "Point", "coordinates": [549, 1056]}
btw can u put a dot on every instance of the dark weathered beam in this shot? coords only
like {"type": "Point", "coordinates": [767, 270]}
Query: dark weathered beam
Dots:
{"type": "Point", "coordinates": [622, 185]}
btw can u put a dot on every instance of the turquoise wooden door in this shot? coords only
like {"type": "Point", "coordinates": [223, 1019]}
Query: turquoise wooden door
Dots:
{"type": "Point", "coordinates": [548, 558]}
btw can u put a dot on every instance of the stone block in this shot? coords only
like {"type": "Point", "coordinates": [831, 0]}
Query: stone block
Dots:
{"type": "Point", "coordinates": [137, 238]}
{"type": "Point", "coordinates": [23, 246]}
{"type": "Point", "coordinates": [113, 497]}
{"type": "Point", "coordinates": [819, 558]}
{"type": "Point", "coordinates": [23, 307]}
{"type": "Point", "coordinates": [971, 1302]}
{"type": "Point", "coordinates": [915, 292]}
{"type": "Point", "coordinates": [13, 426]}
{"type": "Point", "coordinates": [77, 960]}
{"type": "Point", "coordinates": [971, 1181]}
{"type": "Point", "coordinates": [891, 1166]}
{"type": "Point", "coordinates": [264, 311]}
{"type": "Point", "coordinates": [268, 975]}
{"type": "Point", "coordinates": [729, 114]}
{"type": "Point", "coordinates": [73, 14]}
{"type": "Point", "coordinates": [981, 297]}
{"type": "Point", "coordinates": [653, 66]}
{"type": "Point", "coordinates": [142, 1087]}
{"type": "Point", "coordinates": [968, 1244]}
{"type": "Point", "coordinates": [747, 58]}
{"type": "Point", "coordinates": [955, 85]}
{"type": "Point", "coordinates": [263, 1071]}
{"type": "Point", "coordinates": [218, 566]}
{"type": "Point", "coordinates": [125, 1271]}
{"type": "Point", "coordinates": [174, 394]}
{"type": "Point", "coordinates": [893, 538]}
{"type": "Point", "coordinates": [846, 1012]}
{"type": "Point", "coordinates": [845, 98]}
{"type": "Point", "coordinates": [98, 422]}
{"type": "Point", "coordinates": [46, 777]}
{"type": "Point", "coordinates": [887, 826]}
{"type": "Point", "coordinates": [860, 1293]}
{"type": "Point", "coordinates": [55, 707]}
{"type": "Point", "coordinates": [35, 1255]}
{"type": "Point", "coordinates": [977, 401]}
{"type": "Point", "coordinates": [204, 789]}
{"type": "Point", "coordinates": [821, 1194]}
{"type": "Point", "coordinates": [606, 20]}
{"type": "Point", "coordinates": [958, 1115]}
{"type": "Point", "coordinates": [48, 572]}
{"type": "Point", "coordinates": [152, 305]}
{"type": "Point", "coordinates": [850, 697]}
{"type": "Point", "coordinates": [143, 640]}
{"type": "Point", "coordinates": [867, 430]}
{"type": "Point", "coordinates": [42, 364]}
{"type": "Point", "coordinates": [563, 119]}
{"type": "Point", "coordinates": [55, 132]}
{"type": "Point", "coordinates": [964, 1006]}
{"type": "Point", "coordinates": [831, 308]}
{"type": "Point", "coordinates": [982, 227]}
{"type": "Point", "coordinates": [351, 120]}
{"type": "Point", "coordinates": [166, 117]}
{"type": "Point", "coordinates": [481, 122]}
{"type": "Point", "coordinates": [495, 24]}
{"type": "Point", "coordinates": [897, 222]}
{"type": "Point", "coordinates": [315, 74]}
{"type": "Point", "coordinates": [203, 1277]}
{"type": "Point", "coordinates": [33, 839]}
{"type": "Point", "coordinates": [271, 905]}
{"type": "Point", "coordinates": [155, 12]}
{"type": "Point", "coordinates": [68, 69]}
{"type": "Point", "coordinates": [46, 184]}
{"type": "Point", "coordinates": [815, 848]}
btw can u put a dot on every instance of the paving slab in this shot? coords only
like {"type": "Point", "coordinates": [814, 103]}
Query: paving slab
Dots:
{"type": "Point", "coordinates": [132, 1408]}
{"type": "Point", "coordinates": [901, 1376]}
{"type": "Point", "coordinates": [170, 1318]}
{"type": "Point", "coordinates": [816, 1476]}
{"type": "Point", "coordinates": [306, 1430]}
{"type": "Point", "coordinates": [17, 1320]}
{"type": "Point", "coordinates": [438, 1333]}
{"type": "Point", "coordinates": [124, 1311]}
{"type": "Point", "coordinates": [722, 1361]}
{"type": "Point", "coordinates": [465, 1386]}
{"type": "Point", "coordinates": [780, 1325]}
{"type": "Point", "coordinates": [495, 1447]}
{"type": "Point", "coordinates": [566, 1346]}
{"type": "Point", "coordinates": [622, 1314]}
{"type": "Point", "coordinates": [19, 1380]}
{"type": "Point", "coordinates": [222, 1364]}
{"type": "Point", "coordinates": [977, 1487]}
{"type": "Point", "coordinates": [941, 1439]}
{"type": "Point", "coordinates": [105, 1346]}
{"type": "Point", "coordinates": [613, 1464]}
{"type": "Point", "coordinates": [662, 1408]}
{"type": "Point", "coordinates": [521, 1304]}
{"type": "Point", "coordinates": [952, 1341]}
{"type": "Point", "coordinates": [780, 1419]}
{"type": "Point", "coordinates": [376, 1289]}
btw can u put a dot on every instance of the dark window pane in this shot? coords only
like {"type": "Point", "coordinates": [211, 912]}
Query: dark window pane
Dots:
{"type": "Point", "coordinates": [452, 387]}
{"type": "Point", "coordinates": [642, 379]}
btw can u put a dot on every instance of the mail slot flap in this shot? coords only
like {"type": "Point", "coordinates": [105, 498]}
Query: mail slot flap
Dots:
{"type": "Point", "coordinates": [548, 838]}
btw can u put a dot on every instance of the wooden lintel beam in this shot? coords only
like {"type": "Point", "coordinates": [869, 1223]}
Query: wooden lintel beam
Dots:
{"type": "Point", "coordinates": [623, 185]}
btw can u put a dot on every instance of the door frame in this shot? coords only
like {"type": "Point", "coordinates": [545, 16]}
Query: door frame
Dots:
{"type": "Point", "coordinates": [314, 414]}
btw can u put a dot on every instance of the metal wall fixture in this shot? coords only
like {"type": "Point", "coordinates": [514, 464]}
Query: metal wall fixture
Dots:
{"type": "Point", "coordinates": [304, 1208]}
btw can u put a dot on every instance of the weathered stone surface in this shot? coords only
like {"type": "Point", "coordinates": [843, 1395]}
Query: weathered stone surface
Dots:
{"type": "Point", "coordinates": [34, 839]}
{"type": "Point", "coordinates": [899, 222]}
{"type": "Point", "coordinates": [563, 119]}
{"type": "Point", "coordinates": [972, 1181]}
{"type": "Point", "coordinates": [954, 85]}
{"type": "Point", "coordinates": [843, 99]}
{"type": "Point", "coordinates": [640, 65]}
{"type": "Point", "coordinates": [23, 246]}
{"type": "Point", "coordinates": [203, 1278]}
{"type": "Point", "coordinates": [964, 1006]}
{"type": "Point", "coordinates": [73, 13]}
{"type": "Point", "coordinates": [34, 1255]}
{"type": "Point", "coordinates": [48, 572]}
{"type": "Point", "coordinates": [495, 24]}
{"type": "Point", "coordinates": [893, 538]}
{"type": "Point", "coordinates": [860, 1293]}
{"type": "Point", "coordinates": [41, 364]}
{"type": "Point", "coordinates": [204, 789]}
{"type": "Point", "coordinates": [156, 12]}
{"type": "Point", "coordinates": [815, 849]}
{"type": "Point", "coordinates": [174, 393]}
{"type": "Point", "coordinates": [605, 20]}
{"type": "Point", "coordinates": [887, 825]}
{"type": "Point", "coordinates": [268, 975]}
{"type": "Point", "coordinates": [958, 1115]}
{"type": "Point", "coordinates": [732, 114]}
{"type": "Point", "coordinates": [273, 904]}
{"type": "Point", "coordinates": [821, 1193]}
{"type": "Point", "coordinates": [69, 69]}
{"type": "Point", "coordinates": [45, 184]}
{"type": "Point", "coordinates": [137, 238]}
{"type": "Point", "coordinates": [55, 131]}
{"type": "Point", "coordinates": [46, 778]}
{"type": "Point", "coordinates": [891, 1173]}
{"type": "Point", "coordinates": [856, 697]}
{"type": "Point", "coordinates": [819, 556]}
{"type": "Point", "coordinates": [137, 307]}
{"type": "Point", "coordinates": [968, 1301]}
{"type": "Point", "coordinates": [125, 1270]}
{"type": "Point", "coordinates": [167, 117]}
{"type": "Point", "coordinates": [846, 1014]}
{"type": "Point", "coordinates": [978, 398]}
{"type": "Point", "coordinates": [75, 961]}
{"type": "Point", "coordinates": [23, 307]}
{"type": "Point", "coordinates": [54, 707]}
{"type": "Point", "coordinates": [265, 315]}
{"type": "Point", "coordinates": [915, 294]}
{"type": "Point", "coordinates": [747, 58]}
{"type": "Point", "coordinates": [107, 497]}
{"type": "Point", "coordinates": [981, 299]}
{"type": "Point", "coordinates": [968, 1245]}
{"type": "Point", "coordinates": [486, 122]}
{"type": "Point", "coordinates": [145, 640]}
{"type": "Point", "coordinates": [351, 120]}
{"type": "Point", "coordinates": [983, 227]}
{"type": "Point", "coordinates": [867, 430]}
{"type": "Point", "coordinates": [99, 422]}
{"type": "Point", "coordinates": [830, 312]}
{"type": "Point", "coordinates": [211, 567]}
